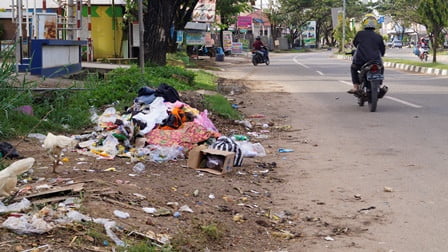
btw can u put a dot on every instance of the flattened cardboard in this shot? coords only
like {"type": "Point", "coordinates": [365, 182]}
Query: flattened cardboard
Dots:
{"type": "Point", "coordinates": [199, 153]}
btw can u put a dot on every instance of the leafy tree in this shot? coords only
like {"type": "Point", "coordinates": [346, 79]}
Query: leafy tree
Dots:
{"type": "Point", "coordinates": [298, 12]}
{"type": "Point", "coordinates": [228, 10]}
{"type": "Point", "coordinates": [434, 14]}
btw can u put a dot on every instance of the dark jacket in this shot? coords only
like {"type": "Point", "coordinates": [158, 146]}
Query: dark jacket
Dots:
{"type": "Point", "coordinates": [257, 45]}
{"type": "Point", "coordinates": [369, 46]}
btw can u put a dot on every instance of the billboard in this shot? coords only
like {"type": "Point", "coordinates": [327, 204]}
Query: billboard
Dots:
{"type": "Point", "coordinates": [244, 22]}
{"type": "Point", "coordinates": [205, 11]}
{"type": "Point", "coordinates": [309, 34]}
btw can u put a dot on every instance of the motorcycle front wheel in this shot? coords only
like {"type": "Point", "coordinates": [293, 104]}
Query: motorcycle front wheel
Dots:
{"type": "Point", "coordinates": [373, 95]}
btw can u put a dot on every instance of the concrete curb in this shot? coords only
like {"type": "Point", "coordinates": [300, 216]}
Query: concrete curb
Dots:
{"type": "Point", "coordinates": [406, 67]}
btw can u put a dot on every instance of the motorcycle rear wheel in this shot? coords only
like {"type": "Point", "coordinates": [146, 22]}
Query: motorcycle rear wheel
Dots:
{"type": "Point", "coordinates": [373, 96]}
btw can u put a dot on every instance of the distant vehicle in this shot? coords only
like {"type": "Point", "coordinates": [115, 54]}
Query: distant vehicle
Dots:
{"type": "Point", "coordinates": [445, 44]}
{"type": "Point", "coordinates": [395, 44]}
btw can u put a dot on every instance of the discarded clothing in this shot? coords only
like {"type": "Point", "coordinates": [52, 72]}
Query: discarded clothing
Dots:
{"type": "Point", "coordinates": [168, 93]}
{"type": "Point", "coordinates": [187, 136]}
{"type": "Point", "coordinates": [147, 121]}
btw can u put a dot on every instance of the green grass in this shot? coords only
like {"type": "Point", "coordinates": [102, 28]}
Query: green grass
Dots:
{"type": "Point", "coordinates": [221, 106]}
{"type": "Point", "coordinates": [417, 63]}
{"type": "Point", "coordinates": [204, 80]}
{"type": "Point", "coordinates": [67, 111]}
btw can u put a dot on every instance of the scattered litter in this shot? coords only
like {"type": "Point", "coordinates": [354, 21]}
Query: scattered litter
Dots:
{"type": "Point", "coordinates": [38, 136]}
{"type": "Point", "coordinates": [196, 193]}
{"type": "Point", "coordinates": [185, 208]}
{"type": "Point", "coordinates": [283, 150]}
{"type": "Point", "coordinates": [120, 214]}
{"type": "Point", "coordinates": [172, 204]}
{"type": "Point", "coordinates": [149, 210]}
{"type": "Point", "coordinates": [162, 212]}
{"type": "Point", "coordinates": [366, 209]}
{"type": "Point", "coordinates": [111, 169]}
{"type": "Point", "coordinates": [238, 218]}
{"type": "Point", "coordinates": [257, 116]}
{"type": "Point", "coordinates": [388, 189]}
{"type": "Point", "coordinates": [357, 196]}
{"type": "Point", "coordinates": [44, 186]}
{"type": "Point", "coordinates": [139, 167]}
{"type": "Point", "coordinates": [15, 207]}
{"type": "Point", "coordinates": [177, 214]}
{"type": "Point", "coordinates": [211, 196]}
{"type": "Point", "coordinates": [283, 234]}
{"type": "Point", "coordinates": [8, 176]}
{"type": "Point", "coordinates": [140, 196]}
{"type": "Point", "coordinates": [244, 123]}
{"type": "Point", "coordinates": [329, 238]}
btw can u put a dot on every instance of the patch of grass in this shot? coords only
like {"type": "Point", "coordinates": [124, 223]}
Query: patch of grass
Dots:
{"type": "Point", "coordinates": [417, 63]}
{"type": "Point", "coordinates": [211, 231]}
{"type": "Point", "coordinates": [204, 80]}
{"type": "Point", "coordinates": [294, 50]}
{"type": "Point", "coordinates": [198, 234]}
{"type": "Point", "coordinates": [221, 106]}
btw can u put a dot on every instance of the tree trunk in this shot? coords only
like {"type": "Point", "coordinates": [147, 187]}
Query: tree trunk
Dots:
{"type": "Point", "coordinates": [181, 17]}
{"type": "Point", "coordinates": [158, 20]}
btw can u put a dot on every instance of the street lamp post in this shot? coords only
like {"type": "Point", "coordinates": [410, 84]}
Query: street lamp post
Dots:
{"type": "Point", "coordinates": [343, 24]}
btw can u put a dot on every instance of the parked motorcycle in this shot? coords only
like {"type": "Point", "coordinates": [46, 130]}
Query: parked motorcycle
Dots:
{"type": "Point", "coordinates": [259, 57]}
{"type": "Point", "coordinates": [371, 77]}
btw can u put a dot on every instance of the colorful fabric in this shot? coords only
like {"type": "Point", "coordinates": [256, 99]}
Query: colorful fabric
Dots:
{"type": "Point", "coordinates": [186, 136]}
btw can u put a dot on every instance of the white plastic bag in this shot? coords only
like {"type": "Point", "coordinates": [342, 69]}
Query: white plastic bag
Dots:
{"type": "Point", "coordinates": [251, 150]}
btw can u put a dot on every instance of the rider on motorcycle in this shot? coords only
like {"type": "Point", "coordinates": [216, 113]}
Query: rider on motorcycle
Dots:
{"type": "Point", "coordinates": [259, 46]}
{"type": "Point", "coordinates": [369, 46]}
{"type": "Point", "coordinates": [422, 47]}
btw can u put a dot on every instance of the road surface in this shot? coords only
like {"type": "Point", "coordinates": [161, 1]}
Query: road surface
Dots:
{"type": "Point", "coordinates": [391, 163]}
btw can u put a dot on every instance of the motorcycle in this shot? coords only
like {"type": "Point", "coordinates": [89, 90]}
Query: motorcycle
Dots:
{"type": "Point", "coordinates": [258, 56]}
{"type": "Point", "coordinates": [371, 77]}
{"type": "Point", "coordinates": [424, 54]}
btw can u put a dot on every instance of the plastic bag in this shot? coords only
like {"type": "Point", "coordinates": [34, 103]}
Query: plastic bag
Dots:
{"type": "Point", "coordinates": [27, 224]}
{"type": "Point", "coordinates": [165, 153]}
{"type": "Point", "coordinates": [16, 207]}
{"type": "Point", "coordinates": [251, 150]}
{"type": "Point", "coordinates": [109, 116]}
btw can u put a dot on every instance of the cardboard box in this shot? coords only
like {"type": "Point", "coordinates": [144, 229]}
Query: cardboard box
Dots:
{"type": "Point", "coordinates": [197, 158]}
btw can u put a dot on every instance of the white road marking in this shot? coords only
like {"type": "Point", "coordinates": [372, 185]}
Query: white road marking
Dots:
{"type": "Point", "coordinates": [403, 102]}
{"type": "Point", "coordinates": [297, 62]}
{"type": "Point", "coordinates": [319, 72]}
{"type": "Point", "coordinates": [391, 98]}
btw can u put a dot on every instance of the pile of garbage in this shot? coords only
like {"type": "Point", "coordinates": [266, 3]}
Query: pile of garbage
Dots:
{"type": "Point", "coordinates": [157, 127]}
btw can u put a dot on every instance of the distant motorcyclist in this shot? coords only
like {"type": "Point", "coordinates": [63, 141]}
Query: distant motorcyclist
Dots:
{"type": "Point", "coordinates": [259, 46]}
{"type": "Point", "coordinates": [422, 47]}
{"type": "Point", "coordinates": [369, 46]}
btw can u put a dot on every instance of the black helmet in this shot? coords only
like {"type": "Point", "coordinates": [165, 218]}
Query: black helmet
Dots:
{"type": "Point", "coordinates": [258, 38]}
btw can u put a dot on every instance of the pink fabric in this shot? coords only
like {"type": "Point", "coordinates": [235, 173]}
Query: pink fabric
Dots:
{"type": "Point", "coordinates": [186, 136]}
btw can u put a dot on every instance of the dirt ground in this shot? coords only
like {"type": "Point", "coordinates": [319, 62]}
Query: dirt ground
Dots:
{"type": "Point", "coordinates": [238, 211]}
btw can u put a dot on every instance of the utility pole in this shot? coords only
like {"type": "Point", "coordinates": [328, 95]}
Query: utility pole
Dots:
{"type": "Point", "coordinates": [343, 25]}
{"type": "Point", "coordinates": [141, 32]}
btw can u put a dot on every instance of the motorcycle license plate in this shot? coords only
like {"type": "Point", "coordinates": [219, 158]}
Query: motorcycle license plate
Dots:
{"type": "Point", "coordinates": [371, 76]}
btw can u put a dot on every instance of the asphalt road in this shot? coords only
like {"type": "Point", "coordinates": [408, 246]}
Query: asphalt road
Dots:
{"type": "Point", "coordinates": [402, 146]}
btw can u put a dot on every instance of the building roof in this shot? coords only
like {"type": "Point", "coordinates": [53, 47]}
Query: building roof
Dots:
{"type": "Point", "coordinates": [259, 17]}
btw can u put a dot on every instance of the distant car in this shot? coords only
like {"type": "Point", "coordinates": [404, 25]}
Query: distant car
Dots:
{"type": "Point", "coordinates": [396, 44]}
{"type": "Point", "coordinates": [445, 44]}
